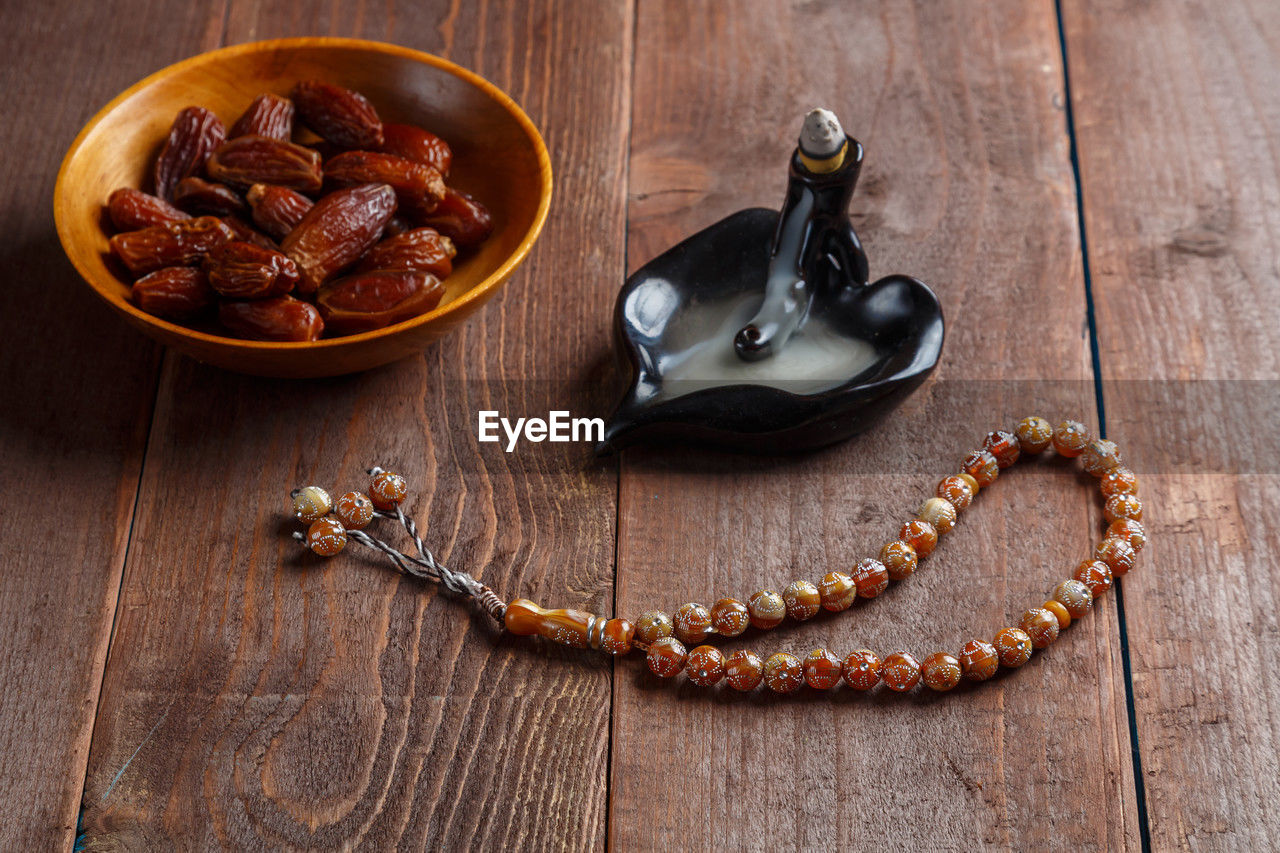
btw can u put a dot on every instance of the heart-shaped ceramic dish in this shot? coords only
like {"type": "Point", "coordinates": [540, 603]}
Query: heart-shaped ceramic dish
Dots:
{"type": "Point", "coordinates": [697, 293]}
{"type": "Point", "coordinates": [499, 158]}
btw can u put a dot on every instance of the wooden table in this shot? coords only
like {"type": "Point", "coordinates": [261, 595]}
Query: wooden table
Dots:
{"type": "Point", "coordinates": [1094, 191]}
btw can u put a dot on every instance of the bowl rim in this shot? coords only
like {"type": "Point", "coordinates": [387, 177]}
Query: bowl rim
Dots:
{"type": "Point", "coordinates": [478, 293]}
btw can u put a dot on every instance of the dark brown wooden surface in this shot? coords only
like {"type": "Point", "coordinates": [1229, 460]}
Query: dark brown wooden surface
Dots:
{"type": "Point", "coordinates": [177, 676]}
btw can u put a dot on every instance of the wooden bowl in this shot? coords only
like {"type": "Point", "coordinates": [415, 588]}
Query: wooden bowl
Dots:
{"type": "Point", "coordinates": [499, 157]}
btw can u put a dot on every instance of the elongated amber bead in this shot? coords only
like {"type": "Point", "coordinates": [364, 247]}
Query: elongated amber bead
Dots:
{"type": "Point", "coordinates": [575, 628]}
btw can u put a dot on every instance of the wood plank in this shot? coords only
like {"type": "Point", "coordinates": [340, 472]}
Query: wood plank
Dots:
{"type": "Point", "coordinates": [258, 699]}
{"type": "Point", "coordinates": [1177, 110]}
{"type": "Point", "coordinates": [78, 389]}
{"type": "Point", "coordinates": [968, 185]}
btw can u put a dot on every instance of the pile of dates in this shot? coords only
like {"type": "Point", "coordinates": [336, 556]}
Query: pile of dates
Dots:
{"type": "Point", "coordinates": [282, 241]}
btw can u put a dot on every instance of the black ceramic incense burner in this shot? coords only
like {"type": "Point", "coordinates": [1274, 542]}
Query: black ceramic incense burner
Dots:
{"type": "Point", "coordinates": [761, 333]}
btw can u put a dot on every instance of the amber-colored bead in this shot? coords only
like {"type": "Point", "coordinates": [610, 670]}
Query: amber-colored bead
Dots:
{"type": "Point", "coordinates": [619, 634]}
{"type": "Point", "coordinates": [838, 591]}
{"type": "Point", "coordinates": [957, 491]}
{"type": "Point", "coordinates": [666, 657]}
{"type": "Point", "coordinates": [900, 671]}
{"type": "Point", "coordinates": [1004, 446]}
{"type": "Point", "coordinates": [940, 671]}
{"type": "Point", "coordinates": [575, 628]}
{"type": "Point", "coordinates": [1041, 626]}
{"type": "Point", "coordinates": [978, 660]}
{"type": "Point", "coordinates": [1100, 456]}
{"type": "Point", "coordinates": [802, 599]}
{"type": "Point", "coordinates": [1070, 438]}
{"type": "Point", "coordinates": [326, 536]}
{"type": "Point", "coordinates": [899, 558]}
{"type": "Point", "coordinates": [973, 484]}
{"type": "Point", "coordinates": [1122, 506]}
{"type": "Point", "coordinates": [783, 673]}
{"type": "Point", "coordinates": [743, 670]}
{"type": "Point", "coordinates": [1094, 574]}
{"type": "Point", "coordinates": [1074, 596]}
{"type": "Point", "coordinates": [920, 535]}
{"type": "Point", "coordinates": [940, 513]}
{"type": "Point", "coordinates": [730, 617]}
{"type": "Point", "coordinates": [767, 609]}
{"type": "Point", "coordinates": [1013, 647]}
{"type": "Point", "coordinates": [652, 626]}
{"type": "Point", "coordinates": [1034, 434]}
{"type": "Point", "coordinates": [1119, 481]}
{"type": "Point", "coordinates": [387, 490]}
{"type": "Point", "coordinates": [1117, 553]}
{"type": "Point", "coordinates": [705, 666]}
{"type": "Point", "coordinates": [861, 669]}
{"type": "Point", "coordinates": [871, 578]}
{"type": "Point", "coordinates": [355, 510]}
{"type": "Point", "coordinates": [1130, 531]}
{"type": "Point", "coordinates": [981, 466]}
{"type": "Point", "coordinates": [821, 669]}
{"type": "Point", "coordinates": [692, 623]}
{"type": "Point", "coordinates": [1056, 608]}
{"type": "Point", "coordinates": [310, 503]}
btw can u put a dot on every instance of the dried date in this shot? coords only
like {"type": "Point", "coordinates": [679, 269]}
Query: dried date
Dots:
{"type": "Point", "coordinates": [248, 160]}
{"type": "Point", "coordinates": [240, 270]}
{"type": "Point", "coordinates": [269, 115]}
{"type": "Point", "coordinates": [196, 195]}
{"type": "Point", "coordinates": [177, 244]}
{"type": "Point", "coordinates": [281, 318]}
{"type": "Point", "coordinates": [195, 134]}
{"type": "Point", "coordinates": [418, 145]}
{"type": "Point", "coordinates": [132, 209]}
{"type": "Point", "coordinates": [461, 218]}
{"type": "Point", "coordinates": [420, 249]}
{"type": "Point", "coordinates": [417, 185]}
{"type": "Point", "coordinates": [337, 231]}
{"type": "Point", "coordinates": [277, 210]}
{"type": "Point", "coordinates": [343, 117]}
{"type": "Point", "coordinates": [173, 293]}
{"type": "Point", "coordinates": [371, 300]}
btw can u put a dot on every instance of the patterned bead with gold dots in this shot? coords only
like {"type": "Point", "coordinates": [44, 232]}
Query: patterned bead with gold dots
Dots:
{"type": "Point", "coordinates": [1004, 446]}
{"type": "Point", "coordinates": [666, 657]}
{"type": "Point", "coordinates": [871, 578]}
{"type": "Point", "coordinates": [743, 670]}
{"type": "Point", "coordinates": [1041, 626]}
{"type": "Point", "coordinates": [355, 510]}
{"type": "Point", "coordinates": [802, 599]}
{"type": "Point", "coordinates": [861, 669]}
{"type": "Point", "coordinates": [957, 491]}
{"type": "Point", "coordinates": [978, 660]}
{"type": "Point", "coordinates": [940, 513]}
{"type": "Point", "coordinates": [1069, 439]}
{"type": "Point", "coordinates": [1117, 553]}
{"type": "Point", "coordinates": [982, 467]}
{"type": "Point", "coordinates": [1119, 481]}
{"type": "Point", "coordinates": [900, 672]}
{"type": "Point", "coordinates": [692, 623]}
{"type": "Point", "coordinates": [899, 559]}
{"type": "Point", "coordinates": [618, 637]}
{"type": "Point", "coordinates": [1130, 531]}
{"type": "Point", "coordinates": [940, 671]}
{"type": "Point", "coordinates": [783, 673]}
{"type": "Point", "coordinates": [652, 626]}
{"type": "Point", "coordinates": [838, 591]}
{"type": "Point", "coordinates": [387, 490]}
{"type": "Point", "coordinates": [1122, 506]}
{"type": "Point", "coordinates": [822, 669]}
{"type": "Point", "coordinates": [1094, 574]}
{"type": "Point", "coordinates": [1074, 596]}
{"type": "Point", "coordinates": [1013, 647]}
{"type": "Point", "coordinates": [1100, 456]}
{"type": "Point", "coordinates": [1034, 434]}
{"type": "Point", "coordinates": [767, 609]}
{"type": "Point", "coordinates": [310, 503]}
{"type": "Point", "coordinates": [326, 536]}
{"type": "Point", "coordinates": [705, 666]}
{"type": "Point", "coordinates": [920, 535]}
{"type": "Point", "coordinates": [730, 617]}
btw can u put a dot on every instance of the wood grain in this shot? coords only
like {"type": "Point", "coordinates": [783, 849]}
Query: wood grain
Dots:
{"type": "Point", "coordinates": [968, 185]}
{"type": "Point", "coordinates": [76, 390]}
{"type": "Point", "coordinates": [256, 698]}
{"type": "Point", "coordinates": [1180, 182]}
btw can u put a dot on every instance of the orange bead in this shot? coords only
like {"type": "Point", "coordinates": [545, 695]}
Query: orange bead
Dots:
{"type": "Point", "coordinates": [940, 513]}
{"type": "Point", "coordinates": [1117, 553]}
{"type": "Point", "coordinates": [1041, 626]}
{"type": "Point", "coordinates": [355, 509]}
{"type": "Point", "coordinates": [1122, 506]}
{"type": "Point", "coordinates": [767, 609]}
{"type": "Point", "coordinates": [838, 591]}
{"type": "Point", "coordinates": [899, 559]}
{"type": "Point", "coordinates": [743, 670]}
{"type": "Point", "coordinates": [310, 504]}
{"type": "Point", "coordinates": [1056, 608]}
{"type": "Point", "coordinates": [575, 628]}
{"type": "Point", "coordinates": [861, 669]}
{"type": "Point", "coordinates": [981, 466]}
{"type": "Point", "coordinates": [821, 669]}
{"type": "Point", "coordinates": [326, 536]}
{"type": "Point", "coordinates": [1074, 596]}
{"type": "Point", "coordinates": [871, 578]}
{"type": "Point", "coordinates": [1070, 438]}
{"type": "Point", "coordinates": [978, 660]}
{"type": "Point", "coordinates": [1004, 446]}
{"type": "Point", "coordinates": [666, 657]}
{"type": "Point", "coordinates": [692, 623]}
{"type": "Point", "coordinates": [1100, 456]}
{"type": "Point", "coordinates": [900, 672]}
{"type": "Point", "coordinates": [705, 666]}
{"type": "Point", "coordinates": [652, 626]}
{"type": "Point", "coordinates": [1034, 434]}
{"type": "Point", "coordinates": [957, 491]}
{"type": "Point", "coordinates": [387, 490]}
{"type": "Point", "coordinates": [1094, 574]}
{"type": "Point", "coordinates": [940, 671]}
{"type": "Point", "coordinates": [783, 673]}
{"type": "Point", "coordinates": [1013, 647]}
{"type": "Point", "coordinates": [1130, 531]}
{"type": "Point", "coordinates": [1119, 481]}
{"type": "Point", "coordinates": [920, 535]}
{"type": "Point", "coordinates": [973, 484]}
{"type": "Point", "coordinates": [730, 617]}
{"type": "Point", "coordinates": [619, 634]}
{"type": "Point", "coordinates": [802, 599]}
